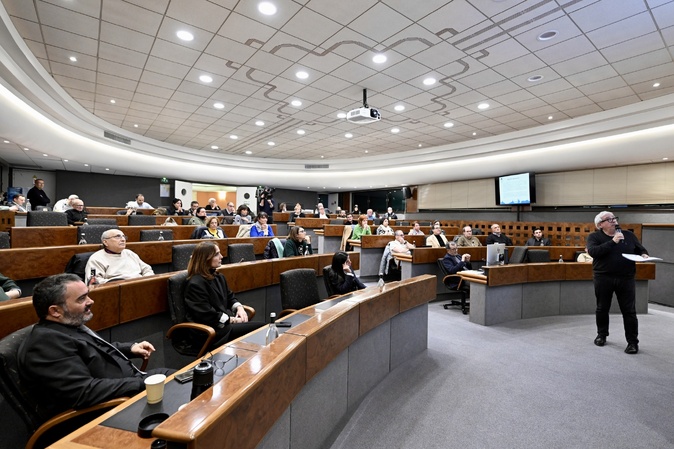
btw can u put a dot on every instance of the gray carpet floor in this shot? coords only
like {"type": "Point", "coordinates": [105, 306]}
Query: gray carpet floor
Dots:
{"type": "Point", "coordinates": [538, 383]}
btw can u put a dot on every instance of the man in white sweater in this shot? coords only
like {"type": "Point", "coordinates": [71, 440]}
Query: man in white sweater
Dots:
{"type": "Point", "coordinates": [114, 262]}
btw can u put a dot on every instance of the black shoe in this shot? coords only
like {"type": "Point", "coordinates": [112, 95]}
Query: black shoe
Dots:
{"type": "Point", "coordinates": [600, 340]}
{"type": "Point", "coordinates": [632, 348]}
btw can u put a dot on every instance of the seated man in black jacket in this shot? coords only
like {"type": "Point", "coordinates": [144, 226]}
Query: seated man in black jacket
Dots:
{"type": "Point", "coordinates": [66, 364]}
{"type": "Point", "coordinates": [77, 214]}
{"type": "Point", "coordinates": [455, 262]}
{"type": "Point", "coordinates": [497, 237]}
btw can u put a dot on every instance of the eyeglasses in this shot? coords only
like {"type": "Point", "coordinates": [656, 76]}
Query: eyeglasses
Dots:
{"type": "Point", "coordinates": [78, 205]}
{"type": "Point", "coordinates": [609, 219]}
{"type": "Point", "coordinates": [120, 236]}
{"type": "Point", "coordinates": [219, 364]}
{"type": "Point", "coordinates": [301, 230]}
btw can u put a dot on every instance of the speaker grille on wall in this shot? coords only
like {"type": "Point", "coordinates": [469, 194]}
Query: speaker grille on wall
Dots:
{"type": "Point", "coordinates": [116, 137]}
{"type": "Point", "coordinates": [407, 192]}
{"type": "Point", "coordinates": [316, 166]}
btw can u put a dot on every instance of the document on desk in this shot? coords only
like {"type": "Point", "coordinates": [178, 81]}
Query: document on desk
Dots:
{"type": "Point", "coordinates": [637, 258]}
{"type": "Point", "coordinates": [478, 272]}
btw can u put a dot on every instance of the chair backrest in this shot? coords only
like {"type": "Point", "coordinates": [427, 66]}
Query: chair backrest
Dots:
{"type": "Point", "coordinates": [538, 255]}
{"type": "Point", "coordinates": [519, 255]}
{"type": "Point", "coordinates": [102, 221]}
{"type": "Point", "coordinates": [228, 219]}
{"type": "Point", "coordinates": [185, 220]}
{"type": "Point", "coordinates": [337, 222]}
{"type": "Point", "coordinates": [77, 265]}
{"type": "Point", "coordinates": [180, 256]}
{"type": "Point", "coordinates": [241, 252]}
{"type": "Point", "coordinates": [142, 220]}
{"type": "Point", "coordinates": [47, 219]}
{"type": "Point", "coordinates": [441, 265]}
{"type": "Point", "coordinates": [196, 234]}
{"type": "Point", "coordinates": [327, 272]}
{"type": "Point", "coordinates": [152, 235]}
{"type": "Point", "coordinates": [298, 288]}
{"type": "Point", "coordinates": [43, 208]}
{"type": "Point", "coordinates": [176, 297]}
{"type": "Point", "coordinates": [92, 233]}
{"type": "Point", "coordinates": [12, 388]}
{"type": "Point", "coordinates": [4, 240]}
{"type": "Point", "coordinates": [271, 250]}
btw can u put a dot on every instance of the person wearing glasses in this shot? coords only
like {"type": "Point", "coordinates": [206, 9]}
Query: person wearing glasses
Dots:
{"type": "Point", "coordinates": [613, 273]}
{"type": "Point", "coordinates": [114, 261]}
{"type": "Point", "coordinates": [230, 210]}
{"type": "Point", "coordinates": [77, 214]}
{"type": "Point", "coordinates": [298, 243]}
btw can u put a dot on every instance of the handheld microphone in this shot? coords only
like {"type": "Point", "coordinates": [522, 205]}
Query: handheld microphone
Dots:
{"type": "Point", "coordinates": [617, 229]}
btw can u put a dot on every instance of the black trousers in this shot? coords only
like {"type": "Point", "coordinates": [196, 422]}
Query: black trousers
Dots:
{"type": "Point", "coordinates": [624, 289]}
{"type": "Point", "coordinates": [235, 331]}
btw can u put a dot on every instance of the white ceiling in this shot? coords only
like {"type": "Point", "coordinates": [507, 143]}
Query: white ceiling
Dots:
{"type": "Point", "coordinates": [598, 77]}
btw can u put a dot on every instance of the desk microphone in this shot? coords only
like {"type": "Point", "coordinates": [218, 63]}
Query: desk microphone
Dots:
{"type": "Point", "coordinates": [242, 259]}
{"type": "Point", "coordinates": [617, 229]}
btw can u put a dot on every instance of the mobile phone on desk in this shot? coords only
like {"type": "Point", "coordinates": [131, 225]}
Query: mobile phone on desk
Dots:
{"type": "Point", "coordinates": [283, 324]}
{"type": "Point", "coordinates": [185, 376]}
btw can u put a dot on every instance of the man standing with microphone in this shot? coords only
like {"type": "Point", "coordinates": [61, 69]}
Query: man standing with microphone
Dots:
{"type": "Point", "coordinates": [613, 273]}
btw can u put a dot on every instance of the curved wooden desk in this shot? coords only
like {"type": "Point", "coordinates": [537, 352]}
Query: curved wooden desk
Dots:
{"type": "Point", "coordinates": [322, 368]}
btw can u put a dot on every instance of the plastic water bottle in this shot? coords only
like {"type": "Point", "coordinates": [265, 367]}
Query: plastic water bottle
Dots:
{"type": "Point", "coordinates": [272, 331]}
{"type": "Point", "coordinates": [381, 283]}
{"type": "Point", "coordinates": [83, 241]}
{"type": "Point", "coordinates": [561, 259]}
{"type": "Point", "coordinates": [28, 206]}
{"type": "Point", "coordinates": [161, 236]}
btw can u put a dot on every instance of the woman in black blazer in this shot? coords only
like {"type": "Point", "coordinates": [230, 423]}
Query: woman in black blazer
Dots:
{"type": "Point", "coordinates": [208, 299]}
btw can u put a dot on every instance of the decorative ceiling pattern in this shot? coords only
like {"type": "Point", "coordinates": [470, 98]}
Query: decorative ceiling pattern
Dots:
{"type": "Point", "coordinates": [603, 54]}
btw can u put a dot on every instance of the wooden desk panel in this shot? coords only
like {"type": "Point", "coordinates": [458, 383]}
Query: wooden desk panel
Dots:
{"type": "Point", "coordinates": [106, 307]}
{"type": "Point", "coordinates": [417, 291]}
{"type": "Point", "coordinates": [645, 271]}
{"type": "Point", "coordinates": [17, 314]}
{"type": "Point", "coordinates": [312, 223]}
{"type": "Point", "coordinates": [379, 309]}
{"type": "Point", "coordinates": [182, 232]}
{"type": "Point", "coordinates": [506, 274]}
{"type": "Point", "coordinates": [577, 271]}
{"type": "Point", "coordinates": [153, 253]}
{"type": "Point", "coordinates": [247, 275]}
{"type": "Point", "coordinates": [41, 236]}
{"type": "Point", "coordinates": [429, 255]}
{"type": "Point", "coordinates": [539, 272]}
{"type": "Point", "coordinates": [122, 220]}
{"type": "Point", "coordinates": [328, 333]}
{"type": "Point", "coordinates": [238, 411]}
{"type": "Point", "coordinates": [143, 297]}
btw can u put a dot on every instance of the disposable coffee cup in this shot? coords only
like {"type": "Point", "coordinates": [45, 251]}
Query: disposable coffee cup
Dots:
{"type": "Point", "coordinates": [154, 386]}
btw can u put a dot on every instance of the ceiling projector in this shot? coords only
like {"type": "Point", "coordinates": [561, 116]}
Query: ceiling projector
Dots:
{"type": "Point", "coordinates": [363, 115]}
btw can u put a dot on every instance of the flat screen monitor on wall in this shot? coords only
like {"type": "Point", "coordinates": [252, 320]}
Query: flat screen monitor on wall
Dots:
{"type": "Point", "coordinates": [512, 190]}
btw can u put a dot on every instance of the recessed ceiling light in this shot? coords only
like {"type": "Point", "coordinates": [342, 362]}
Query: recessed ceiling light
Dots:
{"type": "Point", "coordinates": [483, 106]}
{"type": "Point", "coordinates": [366, 151]}
{"type": "Point", "coordinates": [86, 165]}
{"type": "Point", "coordinates": [73, 59]}
{"type": "Point", "coordinates": [399, 108]}
{"type": "Point", "coordinates": [379, 59]}
{"type": "Point", "coordinates": [322, 157]}
{"type": "Point", "coordinates": [448, 125]}
{"type": "Point", "coordinates": [419, 145]}
{"type": "Point", "coordinates": [259, 123]}
{"type": "Point", "coordinates": [45, 155]}
{"type": "Point", "coordinates": [107, 169]}
{"type": "Point", "coordinates": [218, 106]}
{"type": "Point", "coordinates": [547, 35]}
{"type": "Point", "coordinates": [271, 144]}
{"type": "Point", "coordinates": [65, 160]}
{"type": "Point", "coordinates": [348, 135]}
{"type": "Point", "coordinates": [185, 36]}
{"type": "Point", "coordinates": [233, 136]}
{"type": "Point", "coordinates": [296, 103]}
{"type": "Point", "coordinates": [656, 85]}
{"type": "Point", "coordinates": [665, 158]}
{"type": "Point", "coordinates": [395, 130]}
{"type": "Point", "coordinates": [27, 149]}
{"type": "Point", "coordinates": [429, 81]}
{"type": "Point", "coordinates": [302, 75]}
{"type": "Point", "coordinates": [205, 79]}
{"type": "Point", "coordinates": [549, 117]}
{"type": "Point", "coordinates": [534, 78]}
{"type": "Point", "coordinates": [113, 101]}
{"type": "Point", "coordinates": [475, 134]}
{"type": "Point", "coordinates": [266, 8]}
{"type": "Point", "coordinates": [6, 141]}
{"type": "Point", "coordinates": [214, 147]}
{"type": "Point", "coordinates": [135, 125]}
{"type": "Point", "coordinates": [249, 152]}
{"type": "Point", "coordinates": [341, 115]}
{"type": "Point", "coordinates": [301, 132]}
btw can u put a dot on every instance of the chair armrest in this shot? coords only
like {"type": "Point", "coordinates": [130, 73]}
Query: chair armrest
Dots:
{"type": "Point", "coordinates": [51, 426]}
{"type": "Point", "coordinates": [208, 330]}
{"type": "Point", "coordinates": [452, 278]}
{"type": "Point", "coordinates": [249, 311]}
{"type": "Point", "coordinates": [285, 312]}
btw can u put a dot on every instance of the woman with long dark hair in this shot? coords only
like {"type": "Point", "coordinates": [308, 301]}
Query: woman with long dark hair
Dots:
{"type": "Point", "coordinates": [341, 277]}
{"type": "Point", "coordinates": [297, 243]}
{"type": "Point", "coordinates": [208, 299]}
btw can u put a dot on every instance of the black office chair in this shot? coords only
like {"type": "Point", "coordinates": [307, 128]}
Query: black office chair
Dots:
{"type": "Point", "coordinates": [190, 339]}
{"type": "Point", "coordinates": [77, 264]}
{"type": "Point", "coordinates": [45, 429]}
{"type": "Point", "coordinates": [4, 240]}
{"type": "Point", "coordinates": [241, 252]}
{"type": "Point", "coordinates": [198, 231]}
{"type": "Point", "coordinates": [102, 221]}
{"type": "Point", "coordinates": [92, 233]}
{"type": "Point", "coordinates": [142, 220]}
{"type": "Point", "coordinates": [274, 248]}
{"type": "Point", "coordinates": [454, 282]}
{"type": "Point", "coordinates": [538, 255]}
{"type": "Point", "coordinates": [180, 256]}
{"type": "Point", "coordinates": [327, 271]}
{"type": "Point", "coordinates": [519, 255]}
{"type": "Point", "coordinates": [152, 235]}
{"type": "Point", "coordinates": [298, 290]}
{"type": "Point", "coordinates": [45, 218]}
